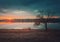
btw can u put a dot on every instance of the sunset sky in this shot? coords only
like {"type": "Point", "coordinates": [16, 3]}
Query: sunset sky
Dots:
{"type": "Point", "coordinates": [22, 9]}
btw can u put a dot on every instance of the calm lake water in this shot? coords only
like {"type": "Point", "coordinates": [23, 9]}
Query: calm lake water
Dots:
{"type": "Point", "coordinates": [28, 25]}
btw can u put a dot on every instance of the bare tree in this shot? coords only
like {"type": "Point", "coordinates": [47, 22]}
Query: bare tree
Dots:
{"type": "Point", "coordinates": [49, 14]}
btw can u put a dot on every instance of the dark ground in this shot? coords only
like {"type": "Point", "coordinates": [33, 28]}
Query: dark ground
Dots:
{"type": "Point", "coordinates": [29, 36]}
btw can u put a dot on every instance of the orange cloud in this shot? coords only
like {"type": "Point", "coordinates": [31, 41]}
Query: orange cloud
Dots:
{"type": "Point", "coordinates": [17, 17]}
